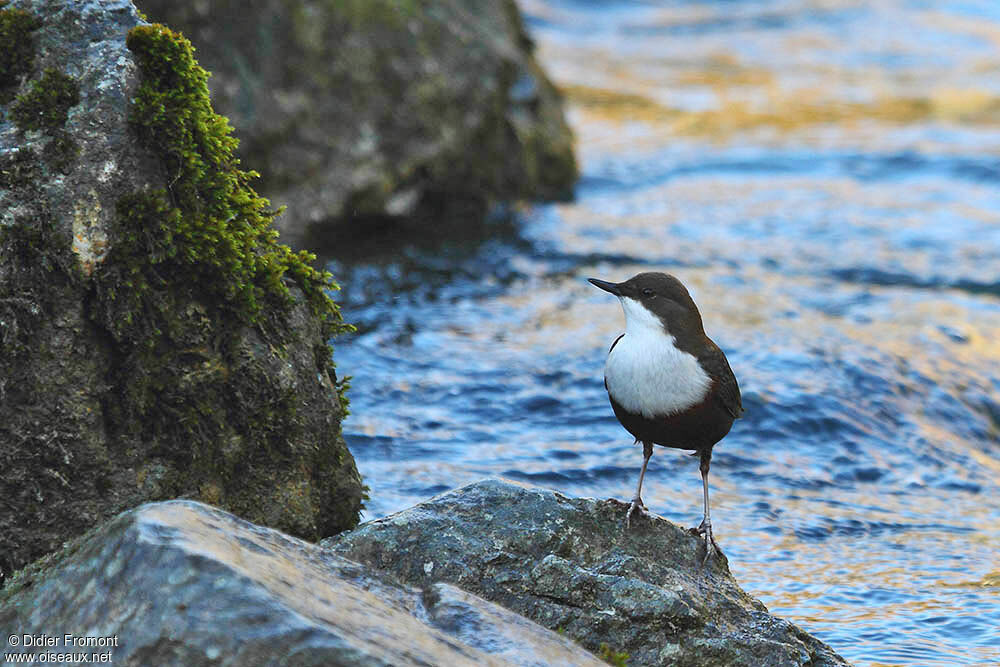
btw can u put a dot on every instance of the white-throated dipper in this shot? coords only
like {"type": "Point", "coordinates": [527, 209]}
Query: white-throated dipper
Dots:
{"type": "Point", "coordinates": [669, 384]}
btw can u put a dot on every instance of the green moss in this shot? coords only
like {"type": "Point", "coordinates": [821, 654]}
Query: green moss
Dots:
{"type": "Point", "coordinates": [618, 659]}
{"type": "Point", "coordinates": [46, 105]}
{"type": "Point", "coordinates": [193, 267]}
{"type": "Point", "coordinates": [18, 168]}
{"type": "Point", "coordinates": [37, 258]}
{"type": "Point", "coordinates": [132, 269]}
{"type": "Point", "coordinates": [363, 13]}
{"type": "Point", "coordinates": [17, 56]}
{"type": "Point", "coordinates": [218, 226]}
{"type": "Point", "coordinates": [61, 151]}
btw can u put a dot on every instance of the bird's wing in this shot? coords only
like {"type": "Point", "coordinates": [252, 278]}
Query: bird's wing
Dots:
{"type": "Point", "coordinates": [727, 390]}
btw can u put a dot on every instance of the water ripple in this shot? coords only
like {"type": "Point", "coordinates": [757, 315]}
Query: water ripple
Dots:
{"type": "Point", "coordinates": [828, 196]}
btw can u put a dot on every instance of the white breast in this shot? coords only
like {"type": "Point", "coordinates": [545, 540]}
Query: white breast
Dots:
{"type": "Point", "coordinates": [646, 373]}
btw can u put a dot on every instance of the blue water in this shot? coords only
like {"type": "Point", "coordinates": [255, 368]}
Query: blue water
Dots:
{"type": "Point", "coordinates": [823, 176]}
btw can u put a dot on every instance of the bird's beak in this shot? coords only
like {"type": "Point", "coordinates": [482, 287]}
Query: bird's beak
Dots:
{"type": "Point", "coordinates": [606, 286]}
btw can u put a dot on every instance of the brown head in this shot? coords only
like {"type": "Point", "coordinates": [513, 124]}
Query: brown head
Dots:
{"type": "Point", "coordinates": [665, 298]}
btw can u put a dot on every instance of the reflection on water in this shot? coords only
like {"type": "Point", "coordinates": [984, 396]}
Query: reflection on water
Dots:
{"type": "Point", "coordinates": [822, 175]}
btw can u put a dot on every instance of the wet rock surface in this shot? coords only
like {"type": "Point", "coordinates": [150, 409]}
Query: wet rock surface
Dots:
{"type": "Point", "coordinates": [359, 112]}
{"type": "Point", "coordinates": [568, 564]}
{"type": "Point", "coordinates": [128, 376]}
{"type": "Point", "coordinates": [181, 583]}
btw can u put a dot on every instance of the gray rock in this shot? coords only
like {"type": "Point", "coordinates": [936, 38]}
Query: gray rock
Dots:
{"type": "Point", "coordinates": [569, 565]}
{"type": "Point", "coordinates": [181, 583]}
{"type": "Point", "coordinates": [498, 631]}
{"type": "Point", "coordinates": [130, 369]}
{"type": "Point", "coordinates": [382, 108]}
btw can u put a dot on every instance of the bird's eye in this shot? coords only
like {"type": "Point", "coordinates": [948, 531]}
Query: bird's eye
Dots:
{"type": "Point", "coordinates": [647, 292]}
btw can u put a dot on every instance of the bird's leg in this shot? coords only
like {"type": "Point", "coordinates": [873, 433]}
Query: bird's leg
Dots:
{"type": "Point", "coordinates": [705, 528]}
{"type": "Point", "coordinates": [647, 451]}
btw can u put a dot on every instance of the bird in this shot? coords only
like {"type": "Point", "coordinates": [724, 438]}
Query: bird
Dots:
{"type": "Point", "coordinates": [668, 382]}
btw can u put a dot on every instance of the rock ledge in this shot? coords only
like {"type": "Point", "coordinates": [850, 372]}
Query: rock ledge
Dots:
{"type": "Point", "coordinates": [567, 564]}
{"type": "Point", "coordinates": [181, 583]}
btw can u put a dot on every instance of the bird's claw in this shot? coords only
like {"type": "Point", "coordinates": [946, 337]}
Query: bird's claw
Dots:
{"type": "Point", "coordinates": [711, 548]}
{"type": "Point", "coordinates": [637, 504]}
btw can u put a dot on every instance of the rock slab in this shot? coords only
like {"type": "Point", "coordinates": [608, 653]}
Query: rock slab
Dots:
{"type": "Point", "coordinates": [567, 564]}
{"type": "Point", "coordinates": [182, 583]}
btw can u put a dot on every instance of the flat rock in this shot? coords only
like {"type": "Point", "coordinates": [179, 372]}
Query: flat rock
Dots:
{"type": "Point", "coordinates": [567, 564]}
{"type": "Point", "coordinates": [182, 583]}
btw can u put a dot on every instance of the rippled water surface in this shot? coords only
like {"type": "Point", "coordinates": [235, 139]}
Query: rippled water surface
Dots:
{"type": "Point", "coordinates": [823, 175]}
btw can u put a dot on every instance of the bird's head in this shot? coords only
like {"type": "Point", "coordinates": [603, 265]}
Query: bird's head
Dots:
{"type": "Point", "coordinates": [654, 300]}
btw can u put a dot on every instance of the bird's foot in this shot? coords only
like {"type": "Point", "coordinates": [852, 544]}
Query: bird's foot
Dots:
{"type": "Point", "coordinates": [636, 505]}
{"type": "Point", "coordinates": [711, 548]}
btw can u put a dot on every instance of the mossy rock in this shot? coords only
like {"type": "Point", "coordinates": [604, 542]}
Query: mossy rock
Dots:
{"type": "Point", "coordinates": [156, 340]}
{"type": "Point", "coordinates": [17, 56]}
{"type": "Point", "coordinates": [367, 112]}
{"type": "Point", "coordinates": [46, 105]}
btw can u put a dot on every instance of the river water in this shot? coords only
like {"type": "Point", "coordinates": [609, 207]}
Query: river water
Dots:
{"type": "Point", "coordinates": [823, 176]}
